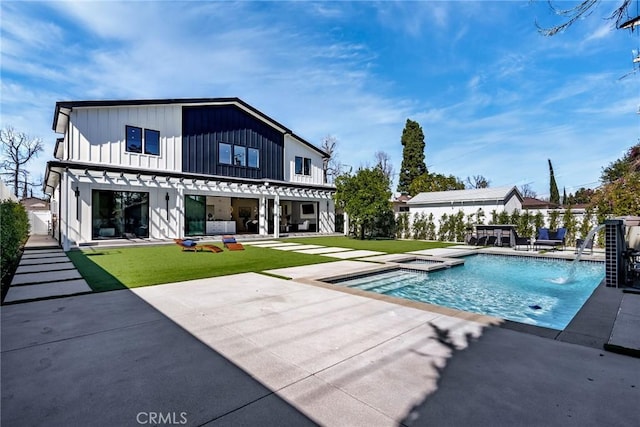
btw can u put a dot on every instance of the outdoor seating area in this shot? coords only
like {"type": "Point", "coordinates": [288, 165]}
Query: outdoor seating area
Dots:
{"type": "Point", "coordinates": [551, 239]}
{"type": "Point", "coordinates": [506, 235]}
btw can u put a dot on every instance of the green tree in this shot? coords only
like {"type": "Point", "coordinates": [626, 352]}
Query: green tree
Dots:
{"type": "Point", "coordinates": [620, 193]}
{"type": "Point", "coordinates": [581, 197]}
{"type": "Point", "coordinates": [413, 162]}
{"type": "Point", "coordinates": [431, 227]}
{"type": "Point", "coordinates": [365, 197]}
{"type": "Point", "coordinates": [428, 182]}
{"type": "Point", "coordinates": [554, 195]}
{"type": "Point", "coordinates": [570, 223]}
{"type": "Point", "coordinates": [554, 218]}
{"type": "Point", "coordinates": [420, 226]}
{"type": "Point", "coordinates": [587, 223]}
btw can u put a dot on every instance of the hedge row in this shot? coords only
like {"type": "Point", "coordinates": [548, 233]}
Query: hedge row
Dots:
{"type": "Point", "coordinates": [14, 231]}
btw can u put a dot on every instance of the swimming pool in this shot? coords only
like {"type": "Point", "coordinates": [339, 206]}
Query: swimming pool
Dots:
{"type": "Point", "coordinates": [521, 289]}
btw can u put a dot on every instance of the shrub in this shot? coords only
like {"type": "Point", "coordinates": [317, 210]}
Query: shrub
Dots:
{"type": "Point", "coordinates": [431, 228]}
{"type": "Point", "coordinates": [14, 231]}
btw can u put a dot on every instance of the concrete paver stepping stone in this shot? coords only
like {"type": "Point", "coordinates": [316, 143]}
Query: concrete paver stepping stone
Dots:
{"type": "Point", "coordinates": [50, 276]}
{"type": "Point", "coordinates": [260, 242]}
{"type": "Point", "coordinates": [41, 268]}
{"type": "Point", "coordinates": [353, 254]}
{"type": "Point", "coordinates": [32, 261]}
{"type": "Point", "coordinates": [323, 250]}
{"type": "Point", "coordinates": [37, 254]}
{"type": "Point", "coordinates": [28, 251]}
{"type": "Point", "coordinates": [333, 268]}
{"type": "Point", "coordinates": [45, 290]}
{"type": "Point", "coordinates": [276, 244]}
{"type": "Point", "coordinates": [297, 247]}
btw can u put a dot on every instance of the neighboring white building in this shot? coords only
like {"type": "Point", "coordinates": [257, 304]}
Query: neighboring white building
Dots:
{"type": "Point", "coordinates": [170, 168]}
{"type": "Point", "coordinates": [6, 193]}
{"type": "Point", "coordinates": [470, 202]}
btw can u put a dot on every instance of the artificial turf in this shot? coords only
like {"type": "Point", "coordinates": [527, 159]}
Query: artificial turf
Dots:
{"type": "Point", "coordinates": [109, 269]}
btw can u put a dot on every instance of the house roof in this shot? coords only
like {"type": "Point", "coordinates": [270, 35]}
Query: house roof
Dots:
{"type": "Point", "coordinates": [533, 203]}
{"type": "Point", "coordinates": [472, 195]}
{"type": "Point", "coordinates": [64, 108]}
{"type": "Point", "coordinates": [34, 203]}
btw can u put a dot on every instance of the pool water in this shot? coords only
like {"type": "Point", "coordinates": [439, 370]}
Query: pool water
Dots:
{"type": "Point", "coordinates": [520, 289]}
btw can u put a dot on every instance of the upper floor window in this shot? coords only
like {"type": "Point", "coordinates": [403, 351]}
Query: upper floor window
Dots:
{"type": "Point", "coordinates": [152, 142]}
{"type": "Point", "coordinates": [254, 158]}
{"type": "Point", "coordinates": [303, 166]}
{"type": "Point", "coordinates": [135, 141]}
{"type": "Point", "coordinates": [238, 155]}
{"type": "Point", "coordinates": [224, 153]}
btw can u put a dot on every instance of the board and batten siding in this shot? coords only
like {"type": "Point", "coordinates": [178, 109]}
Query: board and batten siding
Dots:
{"type": "Point", "coordinates": [294, 148]}
{"type": "Point", "coordinates": [204, 127]}
{"type": "Point", "coordinates": [98, 135]}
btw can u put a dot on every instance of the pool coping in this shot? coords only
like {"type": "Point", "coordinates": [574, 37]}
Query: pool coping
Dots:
{"type": "Point", "coordinates": [574, 332]}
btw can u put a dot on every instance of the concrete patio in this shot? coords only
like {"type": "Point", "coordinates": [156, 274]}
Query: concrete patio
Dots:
{"type": "Point", "coordinates": [256, 350]}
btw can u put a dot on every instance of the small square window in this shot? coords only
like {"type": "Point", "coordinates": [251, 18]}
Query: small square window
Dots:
{"type": "Point", "coordinates": [239, 156]}
{"type": "Point", "coordinates": [151, 142]}
{"type": "Point", "coordinates": [134, 139]}
{"type": "Point", "coordinates": [254, 158]}
{"type": "Point", "coordinates": [224, 153]}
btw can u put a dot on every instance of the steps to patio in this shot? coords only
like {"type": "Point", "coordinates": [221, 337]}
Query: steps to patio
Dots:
{"type": "Point", "coordinates": [44, 272]}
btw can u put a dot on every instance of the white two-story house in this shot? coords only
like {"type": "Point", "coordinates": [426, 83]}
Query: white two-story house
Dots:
{"type": "Point", "coordinates": [169, 168]}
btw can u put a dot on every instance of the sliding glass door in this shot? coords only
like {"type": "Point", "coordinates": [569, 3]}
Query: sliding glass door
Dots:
{"type": "Point", "coordinates": [117, 214]}
{"type": "Point", "coordinates": [195, 211]}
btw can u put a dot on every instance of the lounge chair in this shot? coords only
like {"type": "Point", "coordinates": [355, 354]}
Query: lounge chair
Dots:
{"type": "Point", "coordinates": [213, 248]}
{"type": "Point", "coordinates": [550, 238]}
{"type": "Point", "coordinates": [482, 241]}
{"type": "Point", "coordinates": [491, 241]}
{"type": "Point", "coordinates": [187, 245]}
{"type": "Point", "coordinates": [587, 246]}
{"type": "Point", "coordinates": [521, 241]}
{"type": "Point", "coordinates": [473, 240]}
{"type": "Point", "coordinates": [230, 243]}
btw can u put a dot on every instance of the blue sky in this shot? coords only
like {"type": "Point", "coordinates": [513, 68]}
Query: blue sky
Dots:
{"type": "Point", "coordinates": [493, 96]}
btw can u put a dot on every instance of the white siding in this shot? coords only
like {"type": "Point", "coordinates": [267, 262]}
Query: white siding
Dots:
{"type": "Point", "coordinates": [293, 148]}
{"type": "Point", "coordinates": [97, 135]}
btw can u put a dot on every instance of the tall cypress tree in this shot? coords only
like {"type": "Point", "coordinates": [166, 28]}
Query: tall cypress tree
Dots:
{"type": "Point", "coordinates": [413, 164]}
{"type": "Point", "coordinates": [554, 195]}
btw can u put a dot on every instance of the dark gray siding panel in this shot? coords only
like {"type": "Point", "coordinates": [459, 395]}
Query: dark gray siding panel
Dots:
{"type": "Point", "coordinates": [204, 127]}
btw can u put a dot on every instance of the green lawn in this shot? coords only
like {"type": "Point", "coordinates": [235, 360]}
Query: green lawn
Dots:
{"type": "Point", "coordinates": [109, 269]}
{"type": "Point", "coordinates": [388, 246]}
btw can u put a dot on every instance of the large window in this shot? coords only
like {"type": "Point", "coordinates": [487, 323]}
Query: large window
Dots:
{"type": "Point", "coordinates": [117, 214]}
{"type": "Point", "coordinates": [303, 166]}
{"type": "Point", "coordinates": [254, 158]}
{"type": "Point", "coordinates": [239, 155]}
{"type": "Point", "coordinates": [135, 141]}
{"type": "Point", "coordinates": [224, 153]}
